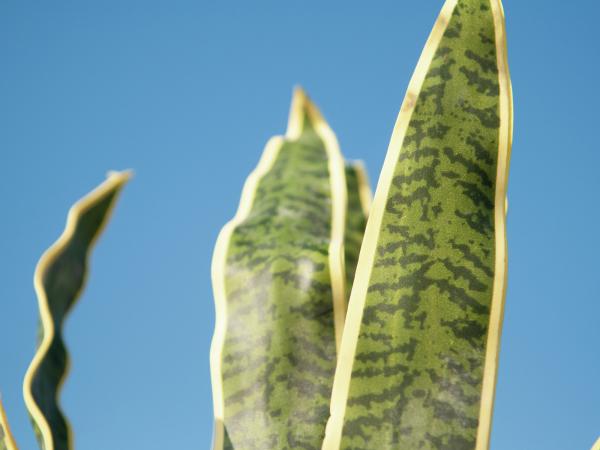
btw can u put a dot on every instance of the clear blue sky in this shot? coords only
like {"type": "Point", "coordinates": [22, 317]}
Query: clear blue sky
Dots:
{"type": "Point", "coordinates": [187, 93]}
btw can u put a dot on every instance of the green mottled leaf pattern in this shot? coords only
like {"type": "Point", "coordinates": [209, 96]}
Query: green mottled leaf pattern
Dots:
{"type": "Point", "coordinates": [59, 279]}
{"type": "Point", "coordinates": [429, 279]}
{"type": "Point", "coordinates": [359, 200]}
{"type": "Point", "coordinates": [278, 356]}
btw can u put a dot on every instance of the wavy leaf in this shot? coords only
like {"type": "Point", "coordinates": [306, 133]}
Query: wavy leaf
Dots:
{"type": "Point", "coordinates": [59, 279]}
{"type": "Point", "coordinates": [278, 280]}
{"type": "Point", "coordinates": [417, 365]}
{"type": "Point", "coordinates": [7, 441]}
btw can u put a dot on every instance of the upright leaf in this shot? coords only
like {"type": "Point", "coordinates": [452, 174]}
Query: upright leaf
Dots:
{"type": "Point", "coordinates": [279, 291]}
{"type": "Point", "coordinates": [417, 366]}
{"type": "Point", "coordinates": [59, 279]}
{"type": "Point", "coordinates": [7, 442]}
{"type": "Point", "coordinates": [359, 202]}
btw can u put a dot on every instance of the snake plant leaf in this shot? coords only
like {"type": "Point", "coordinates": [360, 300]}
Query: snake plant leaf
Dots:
{"type": "Point", "coordinates": [278, 280]}
{"type": "Point", "coordinates": [596, 445]}
{"type": "Point", "coordinates": [417, 365]}
{"type": "Point", "coordinates": [359, 202]}
{"type": "Point", "coordinates": [59, 279]}
{"type": "Point", "coordinates": [7, 441]}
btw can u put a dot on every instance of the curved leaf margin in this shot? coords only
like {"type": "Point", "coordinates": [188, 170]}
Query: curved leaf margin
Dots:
{"type": "Point", "coordinates": [112, 185]}
{"type": "Point", "coordinates": [343, 375]}
{"type": "Point", "coordinates": [7, 441]}
{"type": "Point", "coordinates": [300, 104]}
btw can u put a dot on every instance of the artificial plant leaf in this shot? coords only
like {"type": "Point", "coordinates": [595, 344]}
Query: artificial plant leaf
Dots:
{"type": "Point", "coordinates": [7, 441]}
{"type": "Point", "coordinates": [359, 202]}
{"type": "Point", "coordinates": [59, 279]}
{"type": "Point", "coordinates": [417, 365]}
{"type": "Point", "coordinates": [278, 280]}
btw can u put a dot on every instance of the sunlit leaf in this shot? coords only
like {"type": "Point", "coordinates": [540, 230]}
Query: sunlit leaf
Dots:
{"type": "Point", "coordinates": [278, 278]}
{"type": "Point", "coordinates": [417, 365]}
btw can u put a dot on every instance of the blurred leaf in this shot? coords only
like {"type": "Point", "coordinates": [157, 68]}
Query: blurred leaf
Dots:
{"type": "Point", "coordinates": [7, 442]}
{"type": "Point", "coordinates": [59, 279]}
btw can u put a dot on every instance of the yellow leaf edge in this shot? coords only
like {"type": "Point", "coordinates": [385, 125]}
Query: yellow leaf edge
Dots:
{"type": "Point", "coordinates": [341, 384]}
{"type": "Point", "coordinates": [6, 436]}
{"type": "Point", "coordinates": [114, 182]}
{"type": "Point", "coordinates": [301, 104]}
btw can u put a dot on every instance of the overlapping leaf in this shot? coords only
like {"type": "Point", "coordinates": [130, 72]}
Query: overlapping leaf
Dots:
{"type": "Point", "coordinates": [59, 278]}
{"type": "Point", "coordinates": [279, 282]}
{"type": "Point", "coordinates": [359, 202]}
{"type": "Point", "coordinates": [418, 360]}
{"type": "Point", "coordinates": [7, 441]}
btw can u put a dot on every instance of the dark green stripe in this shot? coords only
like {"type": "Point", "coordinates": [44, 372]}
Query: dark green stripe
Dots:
{"type": "Point", "coordinates": [279, 353]}
{"type": "Point", "coordinates": [417, 375]}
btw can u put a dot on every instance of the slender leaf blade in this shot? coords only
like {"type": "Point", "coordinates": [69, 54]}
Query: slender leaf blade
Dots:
{"type": "Point", "coordinates": [59, 279]}
{"type": "Point", "coordinates": [418, 360]}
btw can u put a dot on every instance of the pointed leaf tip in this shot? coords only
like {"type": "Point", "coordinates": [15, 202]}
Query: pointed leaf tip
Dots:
{"type": "Point", "coordinates": [303, 113]}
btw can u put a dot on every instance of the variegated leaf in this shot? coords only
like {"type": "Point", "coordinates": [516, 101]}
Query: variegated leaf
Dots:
{"type": "Point", "coordinates": [278, 279]}
{"type": "Point", "coordinates": [59, 279]}
{"type": "Point", "coordinates": [417, 366]}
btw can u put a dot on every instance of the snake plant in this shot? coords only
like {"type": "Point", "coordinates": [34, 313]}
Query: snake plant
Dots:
{"type": "Point", "coordinates": [412, 364]}
{"type": "Point", "coordinates": [342, 321]}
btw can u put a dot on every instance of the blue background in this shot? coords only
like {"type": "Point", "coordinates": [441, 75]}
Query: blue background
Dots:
{"type": "Point", "coordinates": [187, 94]}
